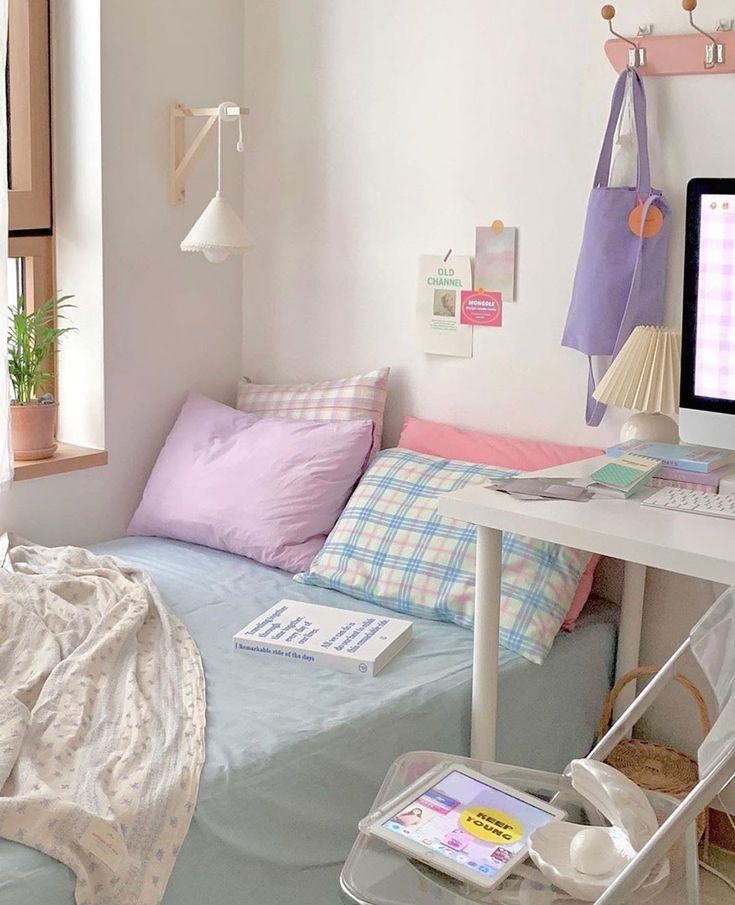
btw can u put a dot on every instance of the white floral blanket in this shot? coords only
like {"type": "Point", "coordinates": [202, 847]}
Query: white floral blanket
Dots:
{"type": "Point", "coordinates": [102, 715]}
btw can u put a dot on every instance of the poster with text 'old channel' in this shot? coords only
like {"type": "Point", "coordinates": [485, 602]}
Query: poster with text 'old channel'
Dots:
{"type": "Point", "coordinates": [438, 309]}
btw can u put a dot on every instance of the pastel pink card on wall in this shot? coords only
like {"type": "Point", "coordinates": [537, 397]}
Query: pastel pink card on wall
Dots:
{"type": "Point", "coordinates": [482, 309]}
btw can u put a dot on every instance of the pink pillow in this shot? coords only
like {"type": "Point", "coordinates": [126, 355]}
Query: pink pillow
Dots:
{"type": "Point", "coordinates": [447, 442]}
{"type": "Point", "coordinates": [265, 488]}
{"type": "Point", "coordinates": [581, 595]}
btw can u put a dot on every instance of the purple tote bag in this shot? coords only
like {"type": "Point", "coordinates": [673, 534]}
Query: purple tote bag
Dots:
{"type": "Point", "coordinates": [621, 276]}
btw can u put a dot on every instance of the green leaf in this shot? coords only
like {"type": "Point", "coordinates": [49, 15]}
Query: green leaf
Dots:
{"type": "Point", "coordinates": [32, 338]}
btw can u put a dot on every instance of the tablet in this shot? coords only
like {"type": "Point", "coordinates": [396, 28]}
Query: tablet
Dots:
{"type": "Point", "coordinates": [463, 824]}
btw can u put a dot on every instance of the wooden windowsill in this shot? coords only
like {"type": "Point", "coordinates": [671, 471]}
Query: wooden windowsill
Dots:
{"type": "Point", "coordinates": [66, 458]}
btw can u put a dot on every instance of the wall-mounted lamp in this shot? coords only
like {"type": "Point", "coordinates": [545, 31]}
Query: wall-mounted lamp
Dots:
{"type": "Point", "coordinates": [218, 232]}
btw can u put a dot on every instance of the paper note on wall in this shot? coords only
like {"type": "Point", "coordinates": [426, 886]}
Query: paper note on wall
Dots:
{"type": "Point", "coordinates": [438, 307]}
{"type": "Point", "coordinates": [495, 260]}
{"type": "Point", "coordinates": [482, 309]}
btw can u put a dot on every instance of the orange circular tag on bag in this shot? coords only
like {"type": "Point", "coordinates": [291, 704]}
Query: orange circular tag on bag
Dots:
{"type": "Point", "coordinates": [653, 224]}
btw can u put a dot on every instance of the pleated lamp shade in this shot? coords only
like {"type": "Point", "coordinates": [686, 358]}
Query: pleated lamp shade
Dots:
{"type": "Point", "coordinates": [218, 232]}
{"type": "Point", "coordinates": [644, 376]}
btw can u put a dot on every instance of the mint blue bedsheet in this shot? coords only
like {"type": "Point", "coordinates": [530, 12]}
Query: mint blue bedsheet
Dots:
{"type": "Point", "coordinates": [295, 754]}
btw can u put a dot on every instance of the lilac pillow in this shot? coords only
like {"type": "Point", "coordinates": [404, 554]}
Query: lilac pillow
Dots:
{"type": "Point", "coordinates": [266, 488]}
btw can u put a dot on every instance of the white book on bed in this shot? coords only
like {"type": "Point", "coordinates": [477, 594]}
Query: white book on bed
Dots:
{"type": "Point", "coordinates": [344, 640]}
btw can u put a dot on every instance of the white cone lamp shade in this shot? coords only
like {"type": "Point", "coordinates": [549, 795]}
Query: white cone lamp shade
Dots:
{"type": "Point", "coordinates": [218, 233]}
{"type": "Point", "coordinates": [644, 377]}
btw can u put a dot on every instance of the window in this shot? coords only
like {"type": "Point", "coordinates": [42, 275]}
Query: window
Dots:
{"type": "Point", "coordinates": [30, 211]}
{"type": "Point", "coordinates": [31, 268]}
{"type": "Point", "coordinates": [29, 150]}
{"type": "Point", "coordinates": [31, 274]}
{"type": "Point", "coordinates": [29, 116]}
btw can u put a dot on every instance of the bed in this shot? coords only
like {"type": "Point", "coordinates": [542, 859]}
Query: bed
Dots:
{"type": "Point", "coordinates": [295, 754]}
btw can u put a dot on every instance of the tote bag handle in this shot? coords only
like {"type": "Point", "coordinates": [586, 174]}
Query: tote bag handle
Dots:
{"type": "Point", "coordinates": [604, 165]}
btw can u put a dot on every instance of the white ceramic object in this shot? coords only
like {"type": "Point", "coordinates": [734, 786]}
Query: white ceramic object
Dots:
{"type": "Point", "coordinates": [595, 852]}
{"type": "Point", "coordinates": [560, 849]}
{"type": "Point", "coordinates": [650, 426]}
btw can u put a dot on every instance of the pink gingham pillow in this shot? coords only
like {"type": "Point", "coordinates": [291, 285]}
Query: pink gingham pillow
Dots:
{"type": "Point", "coordinates": [360, 398]}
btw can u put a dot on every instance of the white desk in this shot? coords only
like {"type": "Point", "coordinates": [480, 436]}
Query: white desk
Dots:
{"type": "Point", "coordinates": [695, 545]}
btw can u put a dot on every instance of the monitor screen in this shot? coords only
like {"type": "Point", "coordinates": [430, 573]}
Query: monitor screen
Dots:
{"type": "Point", "coordinates": [708, 347]}
{"type": "Point", "coordinates": [714, 372]}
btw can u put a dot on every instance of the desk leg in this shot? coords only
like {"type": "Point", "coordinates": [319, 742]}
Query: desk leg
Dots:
{"type": "Point", "coordinates": [629, 633]}
{"type": "Point", "coordinates": [485, 656]}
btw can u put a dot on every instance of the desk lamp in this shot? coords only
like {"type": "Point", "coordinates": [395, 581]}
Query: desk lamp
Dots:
{"type": "Point", "coordinates": [644, 377]}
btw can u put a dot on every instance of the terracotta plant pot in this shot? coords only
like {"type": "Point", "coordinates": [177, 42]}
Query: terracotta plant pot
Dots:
{"type": "Point", "coordinates": [32, 430]}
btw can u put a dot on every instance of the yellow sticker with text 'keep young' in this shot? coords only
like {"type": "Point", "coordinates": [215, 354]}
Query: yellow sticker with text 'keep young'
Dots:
{"type": "Point", "coordinates": [491, 825]}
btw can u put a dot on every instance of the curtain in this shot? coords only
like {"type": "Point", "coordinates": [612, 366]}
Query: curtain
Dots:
{"type": "Point", "coordinates": [6, 456]}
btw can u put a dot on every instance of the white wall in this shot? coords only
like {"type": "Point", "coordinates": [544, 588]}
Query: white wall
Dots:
{"type": "Point", "coordinates": [171, 321]}
{"type": "Point", "coordinates": [77, 158]}
{"type": "Point", "coordinates": [382, 130]}
{"type": "Point", "coordinates": [387, 129]}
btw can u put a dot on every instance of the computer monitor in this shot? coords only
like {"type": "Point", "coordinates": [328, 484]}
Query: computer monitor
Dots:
{"type": "Point", "coordinates": [707, 414]}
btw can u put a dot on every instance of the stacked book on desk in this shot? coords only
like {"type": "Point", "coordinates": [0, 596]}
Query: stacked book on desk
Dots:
{"type": "Point", "coordinates": [676, 477]}
{"type": "Point", "coordinates": [621, 477]}
{"type": "Point", "coordinates": [687, 467]}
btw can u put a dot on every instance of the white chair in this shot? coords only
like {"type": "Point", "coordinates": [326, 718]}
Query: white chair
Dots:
{"type": "Point", "coordinates": [712, 641]}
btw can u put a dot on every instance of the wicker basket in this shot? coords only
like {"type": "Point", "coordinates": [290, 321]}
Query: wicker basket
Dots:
{"type": "Point", "coordinates": [654, 767]}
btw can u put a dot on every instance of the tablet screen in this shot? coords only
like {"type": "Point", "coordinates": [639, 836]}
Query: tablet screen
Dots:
{"type": "Point", "coordinates": [469, 822]}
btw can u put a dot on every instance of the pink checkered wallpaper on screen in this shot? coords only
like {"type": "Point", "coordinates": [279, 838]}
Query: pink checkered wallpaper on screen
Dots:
{"type": "Point", "coordinates": [715, 359]}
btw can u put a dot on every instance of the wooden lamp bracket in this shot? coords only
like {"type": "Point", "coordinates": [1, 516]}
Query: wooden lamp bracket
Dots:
{"type": "Point", "coordinates": [181, 158]}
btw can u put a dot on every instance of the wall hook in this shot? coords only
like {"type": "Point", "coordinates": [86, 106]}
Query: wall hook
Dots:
{"type": "Point", "coordinates": [714, 52]}
{"type": "Point", "coordinates": [636, 54]}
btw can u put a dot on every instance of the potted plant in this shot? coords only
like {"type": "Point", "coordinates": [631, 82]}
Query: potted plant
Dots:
{"type": "Point", "coordinates": [32, 339]}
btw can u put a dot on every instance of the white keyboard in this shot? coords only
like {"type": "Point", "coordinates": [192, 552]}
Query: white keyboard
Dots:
{"type": "Point", "coordinates": [697, 501]}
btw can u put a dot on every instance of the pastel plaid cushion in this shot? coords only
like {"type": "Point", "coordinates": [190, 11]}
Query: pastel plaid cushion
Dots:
{"type": "Point", "coordinates": [360, 398]}
{"type": "Point", "coordinates": [391, 547]}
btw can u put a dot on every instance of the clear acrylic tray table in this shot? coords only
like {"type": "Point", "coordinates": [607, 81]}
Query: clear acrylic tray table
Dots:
{"type": "Point", "coordinates": [375, 874]}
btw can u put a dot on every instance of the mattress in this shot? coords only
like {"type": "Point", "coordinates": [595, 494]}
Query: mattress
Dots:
{"type": "Point", "coordinates": [295, 753]}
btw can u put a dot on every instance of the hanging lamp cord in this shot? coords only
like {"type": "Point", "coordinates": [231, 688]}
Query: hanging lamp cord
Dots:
{"type": "Point", "coordinates": [222, 115]}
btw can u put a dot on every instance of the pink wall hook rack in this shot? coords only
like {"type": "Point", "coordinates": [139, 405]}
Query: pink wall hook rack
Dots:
{"type": "Point", "coordinates": [697, 53]}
